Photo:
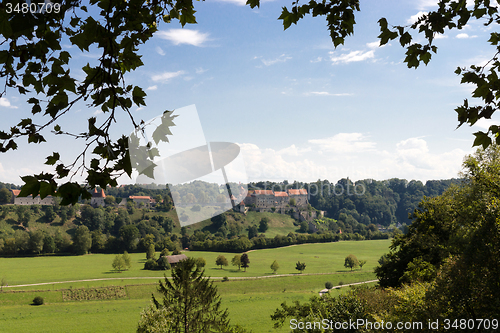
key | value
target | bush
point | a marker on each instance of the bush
(328, 285)
(151, 265)
(200, 262)
(225, 279)
(163, 264)
(38, 300)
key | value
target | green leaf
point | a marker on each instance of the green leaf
(70, 193)
(253, 3)
(138, 96)
(482, 139)
(47, 189)
(62, 171)
(287, 17)
(31, 186)
(51, 160)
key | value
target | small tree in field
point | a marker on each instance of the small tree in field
(245, 261)
(221, 261)
(38, 300)
(362, 263)
(236, 261)
(275, 266)
(351, 261)
(300, 266)
(328, 285)
(118, 263)
(127, 260)
(201, 262)
(150, 253)
(122, 262)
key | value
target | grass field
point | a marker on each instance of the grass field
(250, 301)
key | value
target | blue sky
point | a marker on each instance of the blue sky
(299, 108)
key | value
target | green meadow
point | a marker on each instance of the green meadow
(250, 296)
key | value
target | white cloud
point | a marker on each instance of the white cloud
(486, 123)
(268, 164)
(4, 102)
(374, 45)
(344, 143)
(326, 93)
(241, 2)
(236, 2)
(293, 151)
(166, 76)
(160, 51)
(318, 59)
(184, 36)
(423, 4)
(281, 58)
(350, 155)
(412, 157)
(152, 87)
(200, 70)
(352, 56)
(464, 36)
(415, 17)
(439, 36)
(97, 111)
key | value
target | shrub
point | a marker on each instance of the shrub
(225, 279)
(38, 300)
(201, 262)
(328, 285)
(163, 264)
(151, 265)
(164, 252)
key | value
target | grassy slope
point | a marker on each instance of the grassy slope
(250, 302)
(319, 258)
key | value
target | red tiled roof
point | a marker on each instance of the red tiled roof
(139, 197)
(280, 194)
(97, 194)
(16, 192)
(302, 191)
(263, 192)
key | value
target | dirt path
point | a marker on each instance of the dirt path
(324, 291)
(161, 277)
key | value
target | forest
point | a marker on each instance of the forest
(81, 228)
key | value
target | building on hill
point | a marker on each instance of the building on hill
(29, 200)
(98, 198)
(300, 196)
(145, 200)
(267, 199)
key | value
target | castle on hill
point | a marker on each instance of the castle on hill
(268, 199)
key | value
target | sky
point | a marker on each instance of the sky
(299, 108)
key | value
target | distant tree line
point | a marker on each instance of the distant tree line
(366, 201)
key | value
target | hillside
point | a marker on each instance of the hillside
(354, 214)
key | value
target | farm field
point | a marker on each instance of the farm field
(250, 301)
